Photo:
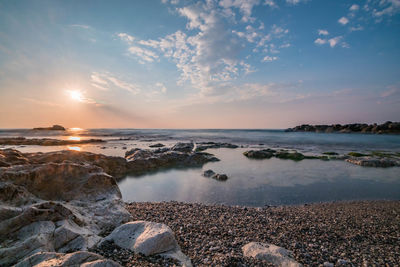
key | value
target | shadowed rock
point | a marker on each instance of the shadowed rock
(201, 146)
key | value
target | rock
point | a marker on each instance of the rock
(148, 238)
(141, 160)
(208, 173)
(385, 128)
(373, 162)
(81, 258)
(328, 264)
(201, 146)
(115, 166)
(55, 207)
(53, 128)
(10, 157)
(157, 145)
(183, 147)
(220, 177)
(17, 141)
(271, 253)
(259, 154)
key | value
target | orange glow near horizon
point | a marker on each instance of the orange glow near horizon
(74, 148)
(75, 129)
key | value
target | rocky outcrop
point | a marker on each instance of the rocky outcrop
(385, 128)
(373, 162)
(157, 145)
(52, 128)
(260, 154)
(148, 238)
(16, 141)
(81, 258)
(50, 206)
(201, 146)
(180, 155)
(275, 255)
(281, 154)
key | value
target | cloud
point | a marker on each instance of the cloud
(320, 41)
(126, 37)
(41, 102)
(145, 54)
(332, 41)
(269, 58)
(105, 80)
(162, 87)
(343, 20)
(82, 26)
(323, 32)
(354, 7)
(270, 3)
(387, 8)
(295, 2)
(245, 7)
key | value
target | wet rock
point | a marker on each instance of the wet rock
(157, 145)
(183, 147)
(10, 157)
(260, 154)
(208, 173)
(295, 156)
(373, 162)
(201, 146)
(278, 256)
(141, 160)
(81, 258)
(220, 177)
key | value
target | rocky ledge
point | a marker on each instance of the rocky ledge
(16, 141)
(385, 128)
(374, 159)
(55, 206)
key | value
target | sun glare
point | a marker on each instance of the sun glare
(74, 148)
(75, 129)
(76, 95)
(74, 138)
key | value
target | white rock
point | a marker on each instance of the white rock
(148, 238)
(81, 258)
(271, 253)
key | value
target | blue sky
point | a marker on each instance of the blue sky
(199, 64)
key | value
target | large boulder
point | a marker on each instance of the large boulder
(148, 238)
(183, 147)
(81, 258)
(275, 255)
(374, 162)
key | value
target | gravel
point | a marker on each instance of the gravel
(328, 234)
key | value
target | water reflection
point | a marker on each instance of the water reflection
(262, 182)
(75, 148)
(74, 138)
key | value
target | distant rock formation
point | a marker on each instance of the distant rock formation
(385, 128)
(52, 128)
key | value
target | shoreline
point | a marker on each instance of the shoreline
(360, 233)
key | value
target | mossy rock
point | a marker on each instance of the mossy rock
(330, 153)
(259, 154)
(356, 154)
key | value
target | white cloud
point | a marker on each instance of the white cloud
(105, 80)
(269, 58)
(320, 41)
(245, 7)
(387, 8)
(323, 32)
(334, 41)
(295, 2)
(271, 3)
(162, 87)
(357, 28)
(343, 20)
(126, 37)
(143, 53)
(354, 7)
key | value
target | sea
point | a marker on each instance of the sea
(251, 182)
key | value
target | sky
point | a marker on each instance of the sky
(198, 64)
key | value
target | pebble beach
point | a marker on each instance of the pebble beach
(328, 234)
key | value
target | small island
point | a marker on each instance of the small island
(385, 128)
(52, 128)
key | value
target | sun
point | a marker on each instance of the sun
(76, 95)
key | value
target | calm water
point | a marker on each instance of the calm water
(251, 182)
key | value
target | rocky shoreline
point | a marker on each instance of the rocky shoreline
(65, 208)
(385, 128)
